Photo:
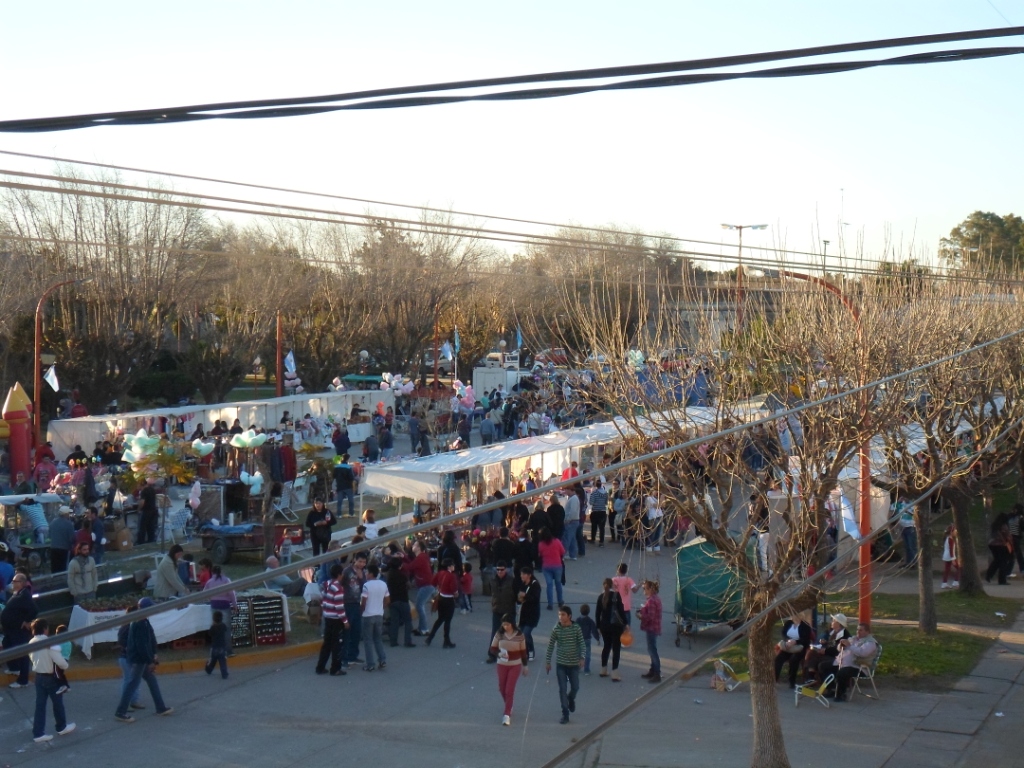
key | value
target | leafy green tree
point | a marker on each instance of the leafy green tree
(985, 237)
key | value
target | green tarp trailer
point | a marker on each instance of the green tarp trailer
(707, 591)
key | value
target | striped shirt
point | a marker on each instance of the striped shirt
(571, 647)
(599, 500)
(509, 651)
(334, 601)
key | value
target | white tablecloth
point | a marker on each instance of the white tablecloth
(168, 626)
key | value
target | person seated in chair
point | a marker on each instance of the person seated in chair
(825, 652)
(852, 653)
(284, 584)
(796, 639)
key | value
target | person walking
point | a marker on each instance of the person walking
(508, 647)
(225, 602)
(122, 661)
(503, 601)
(46, 660)
(611, 620)
(550, 551)
(529, 606)
(141, 656)
(572, 524)
(400, 614)
(335, 624)
(568, 638)
(16, 621)
(374, 602)
(220, 634)
(447, 587)
(650, 624)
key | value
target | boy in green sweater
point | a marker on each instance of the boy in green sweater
(571, 653)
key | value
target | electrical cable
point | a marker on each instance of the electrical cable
(393, 97)
(414, 227)
(426, 209)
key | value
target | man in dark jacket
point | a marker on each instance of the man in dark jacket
(529, 610)
(16, 622)
(556, 516)
(140, 654)
(345, 481)
(503, 548)
(503, 600)
(342, 442)
(62, 540)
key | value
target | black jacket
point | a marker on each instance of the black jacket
(529, 611)
(556, 516)
(804, 630)
(21, 608)
(612, 614)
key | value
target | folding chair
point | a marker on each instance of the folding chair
(867, 672)
(283, 504)
(734, 680)
(816, 692)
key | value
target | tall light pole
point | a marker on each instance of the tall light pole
(739, 269)
(37, 377)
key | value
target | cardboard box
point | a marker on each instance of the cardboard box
(121, 541)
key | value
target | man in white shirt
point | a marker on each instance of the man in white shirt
(375, 600)
(45, 662)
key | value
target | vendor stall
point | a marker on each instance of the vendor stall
(168, 626)
(65, 434)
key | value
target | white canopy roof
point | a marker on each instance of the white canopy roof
(65, 434)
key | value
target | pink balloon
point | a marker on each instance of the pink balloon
(384, 385)
(194, 503)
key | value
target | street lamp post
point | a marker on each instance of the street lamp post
(739, 268)
(37, 376)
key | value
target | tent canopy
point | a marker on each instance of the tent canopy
(65, 434)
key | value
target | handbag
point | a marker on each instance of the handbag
(434, 602)
(626, 639)
(789, 647)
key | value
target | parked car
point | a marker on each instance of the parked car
(557, 355)
(444, 365)
(676, 357)
(494, 360)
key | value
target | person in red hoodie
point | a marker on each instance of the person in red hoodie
(419, 570)
(447, 584)
(650, 624)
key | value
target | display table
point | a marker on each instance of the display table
(168, 626)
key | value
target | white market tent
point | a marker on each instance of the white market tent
(65, 434)
(428, 477)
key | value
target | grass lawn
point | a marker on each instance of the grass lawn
(950, 607)
(909, 659)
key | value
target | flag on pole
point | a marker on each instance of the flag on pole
(446, 351)
(519, 337)
(458, 342)
(289, 362)
(51, 378)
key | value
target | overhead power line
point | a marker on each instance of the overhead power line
(410, 226)
(411, 96)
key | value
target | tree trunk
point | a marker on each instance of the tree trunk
(769, 746)
(927, 622)
(267, 509)
(970, 578)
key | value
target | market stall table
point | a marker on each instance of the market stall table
(168, 626)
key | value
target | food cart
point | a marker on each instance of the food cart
(19, 532)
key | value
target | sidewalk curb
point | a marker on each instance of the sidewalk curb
(270, 656)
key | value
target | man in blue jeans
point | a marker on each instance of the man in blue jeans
(571, 654)
(345, 481)
(352, 580)
(142, 658)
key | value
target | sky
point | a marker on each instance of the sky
(880, 162)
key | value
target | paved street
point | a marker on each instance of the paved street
(435, 707)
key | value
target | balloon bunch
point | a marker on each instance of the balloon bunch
(336, 385)
(467, 398)
(248, 439)
(195, 495)
(202, 449)
(635, 359)
(291, 381)
(141, 452)
(397, 383)
(255, 482)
